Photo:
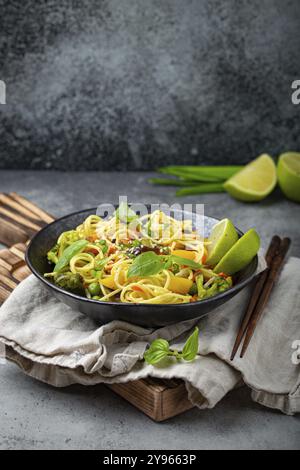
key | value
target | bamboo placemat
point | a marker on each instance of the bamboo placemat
(20, 219)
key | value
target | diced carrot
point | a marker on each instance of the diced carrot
(223, 275)
(137, 289)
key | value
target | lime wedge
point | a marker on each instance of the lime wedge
(221, 239)
(289, 175)
(240, 255)
(255, 181)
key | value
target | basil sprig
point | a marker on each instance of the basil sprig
(149, 264)
(146, 264)
(160, 349)
(185, 262)
(68, 254)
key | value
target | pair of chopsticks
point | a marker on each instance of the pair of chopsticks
(275, 258)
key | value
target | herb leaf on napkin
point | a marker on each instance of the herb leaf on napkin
(160, 349)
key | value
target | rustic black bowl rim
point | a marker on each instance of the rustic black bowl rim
(35, 239)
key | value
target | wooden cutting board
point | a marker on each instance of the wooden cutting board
(20, 219)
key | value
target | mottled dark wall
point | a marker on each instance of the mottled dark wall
(132, 84)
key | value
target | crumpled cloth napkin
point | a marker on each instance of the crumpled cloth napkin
(59, 346)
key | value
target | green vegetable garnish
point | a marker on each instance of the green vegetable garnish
(66, 239)
(71, 282)
(207, 273)
(94, 289)
(190, 349)
(103, 246)
(193, 290)
(160, 349)
(68, 254)
(184, 262)
(223, 284)
(219, 284)
(52, 255)
(201, 290)
(212, 290)
(146, 264)
(100, 263)
(149, 264)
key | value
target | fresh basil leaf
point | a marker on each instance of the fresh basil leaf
(125, 214)
(68, 254)
(159, 344)
(153, 357)
(168, 262)
(158, 350)
(191, 346)
(185, 262)
(146, 264)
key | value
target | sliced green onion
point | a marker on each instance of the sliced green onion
(204, 172)
(172, 182)
(189, 175)
(201, 189)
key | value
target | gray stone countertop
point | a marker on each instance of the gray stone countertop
(36, 416)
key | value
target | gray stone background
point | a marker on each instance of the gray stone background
(133, 84)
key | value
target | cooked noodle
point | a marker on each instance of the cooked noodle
(113, 245)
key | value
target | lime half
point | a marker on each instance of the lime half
(255, 181)
(240, 255)
(221, 239)
(289, 175)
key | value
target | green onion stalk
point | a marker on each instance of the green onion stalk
(196, 179)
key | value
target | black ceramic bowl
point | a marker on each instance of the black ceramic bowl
(141, 314)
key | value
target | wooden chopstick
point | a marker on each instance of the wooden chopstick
(271, 252)
(274, 271)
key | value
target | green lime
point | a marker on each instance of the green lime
(221, 239)
(255, 181)
(240, 255)
(289, 175)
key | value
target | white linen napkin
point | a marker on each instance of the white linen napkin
(59, 346)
